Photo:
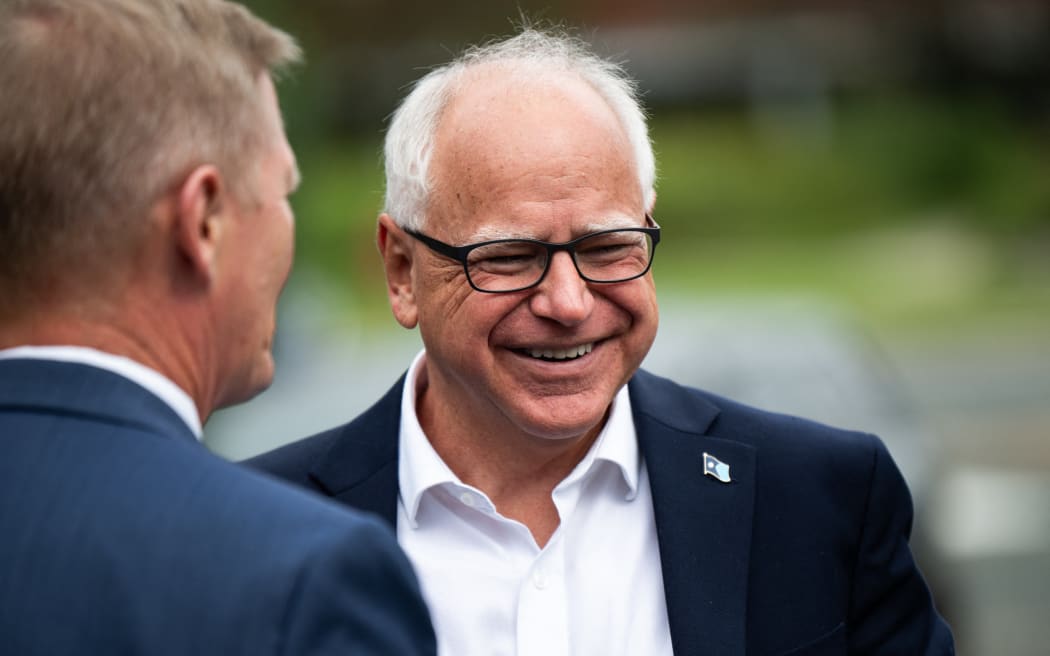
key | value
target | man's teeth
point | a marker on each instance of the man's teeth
(561, 354)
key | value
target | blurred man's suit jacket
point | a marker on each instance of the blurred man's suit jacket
(121, 534)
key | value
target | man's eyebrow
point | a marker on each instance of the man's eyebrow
(615, 223)
(492, 233)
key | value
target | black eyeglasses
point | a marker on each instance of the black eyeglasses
(511, 265)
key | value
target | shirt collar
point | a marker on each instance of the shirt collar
(617, 444)
(152, 380)
(420, 468)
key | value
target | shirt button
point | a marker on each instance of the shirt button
(539, 578)
(468, 499)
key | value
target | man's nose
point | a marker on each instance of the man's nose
(563, 296)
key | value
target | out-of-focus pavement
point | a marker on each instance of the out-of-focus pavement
(967, 417)
(988, 400)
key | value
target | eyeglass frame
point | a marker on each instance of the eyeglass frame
(459, 253)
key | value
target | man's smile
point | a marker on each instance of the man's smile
(553, 354)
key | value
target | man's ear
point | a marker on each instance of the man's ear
(396, 249)
(198, 226)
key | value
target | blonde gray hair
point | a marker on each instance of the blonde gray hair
(409, 141)
(106, 104)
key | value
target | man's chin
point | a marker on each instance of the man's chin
(255, 382)
(562, 424)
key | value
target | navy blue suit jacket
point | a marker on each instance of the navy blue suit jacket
(805, 552)
(121, 534)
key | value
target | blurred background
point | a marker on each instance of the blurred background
(855, 199)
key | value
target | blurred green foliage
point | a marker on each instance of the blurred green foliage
(874, 164)
(908, 210)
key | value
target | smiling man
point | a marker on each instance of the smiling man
(553, 498)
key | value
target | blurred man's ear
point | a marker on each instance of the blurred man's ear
(198, 224)
(396, 249)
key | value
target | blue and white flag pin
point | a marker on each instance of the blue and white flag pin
(715, 467)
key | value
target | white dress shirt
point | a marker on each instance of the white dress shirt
(595, 588)
(155, 382)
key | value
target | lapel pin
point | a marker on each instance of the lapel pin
(715, 467)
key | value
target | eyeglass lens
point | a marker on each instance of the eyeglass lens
(604, 257)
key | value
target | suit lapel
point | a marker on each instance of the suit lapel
(360, 468)
(703, 525)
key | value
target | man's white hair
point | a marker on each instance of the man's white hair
(410, 139)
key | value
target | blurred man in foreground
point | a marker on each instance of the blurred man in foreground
(145, 235)
(554, 498)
